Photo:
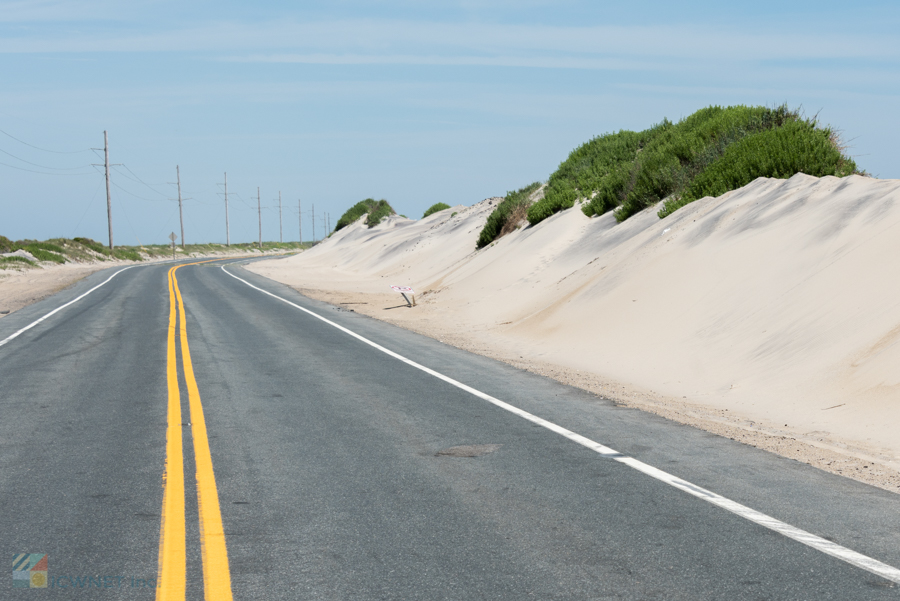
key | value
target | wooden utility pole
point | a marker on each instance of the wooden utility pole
(180, 212)
(227, 230)
(108, 196)
(300, 219)
(314, 223)
(280, 231)
(259, 211)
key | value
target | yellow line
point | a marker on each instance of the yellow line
(172, 567)
(216, 574)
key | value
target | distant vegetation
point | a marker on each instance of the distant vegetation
(715, 150)
(62, 250)
(375, 209)
(507, 215)
(440, 206)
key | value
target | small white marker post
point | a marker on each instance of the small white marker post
(403, 290)
(173, 238)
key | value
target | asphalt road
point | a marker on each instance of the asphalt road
(335, 474)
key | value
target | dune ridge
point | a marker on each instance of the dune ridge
(777, 303)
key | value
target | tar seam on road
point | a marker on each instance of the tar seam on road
(172, 554)
(816, 542)
(58, 309)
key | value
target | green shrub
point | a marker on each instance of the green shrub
(796, 147)
(520, 199)
(44, 255)
(588, 168)
(670, 161)
(378, 212)
(355, 212)
(6, 245)
(440, 206)
(46, 246)
(127, 254)
(93, 245)
(16, 259)
(630, 171)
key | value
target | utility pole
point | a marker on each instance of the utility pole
(259, 211)
(180, 212)
(227, 230)
(314, 223)
(280, 231)
(108, 197)
(300, 219)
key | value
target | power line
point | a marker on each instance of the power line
(41, 172)
(138, 179)
(42, 166)
(42, 149)
(135, 195)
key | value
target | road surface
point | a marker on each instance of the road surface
(206, 432)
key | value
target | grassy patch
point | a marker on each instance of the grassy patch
(355, 212)
(381, 210)
(440, 206)
(15, 261)
(42, 251)
(92, 245)
(798, 147)
(504, 219)
(375, 209)
(715, 149)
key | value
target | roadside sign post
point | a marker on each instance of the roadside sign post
(404, 290)
(173, 238)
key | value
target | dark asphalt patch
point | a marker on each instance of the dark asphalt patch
(469, 450)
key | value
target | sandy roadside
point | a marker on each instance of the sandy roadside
(767, 315)
(21, 288)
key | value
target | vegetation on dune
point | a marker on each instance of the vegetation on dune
(504, 219)
(381, 210)
(17, 261)
(375, 209)
(587, 168)
(61, 250)
(440, 206)
(712, 151)
(798, 147)
(42, 251)
(355, 212)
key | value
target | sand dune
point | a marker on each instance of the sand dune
(779, 301)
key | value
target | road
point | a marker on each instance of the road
(276, 447)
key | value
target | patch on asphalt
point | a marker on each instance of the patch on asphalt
(469, 450)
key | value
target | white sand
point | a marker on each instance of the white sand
(21, 287)
(777, 304)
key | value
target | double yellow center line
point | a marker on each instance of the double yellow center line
(172, 554)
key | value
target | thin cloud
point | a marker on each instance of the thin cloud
(437, 60)
(462, 42)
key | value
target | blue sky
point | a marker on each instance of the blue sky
(416, 102)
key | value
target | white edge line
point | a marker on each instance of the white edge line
(58, 309)
(816, 542)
